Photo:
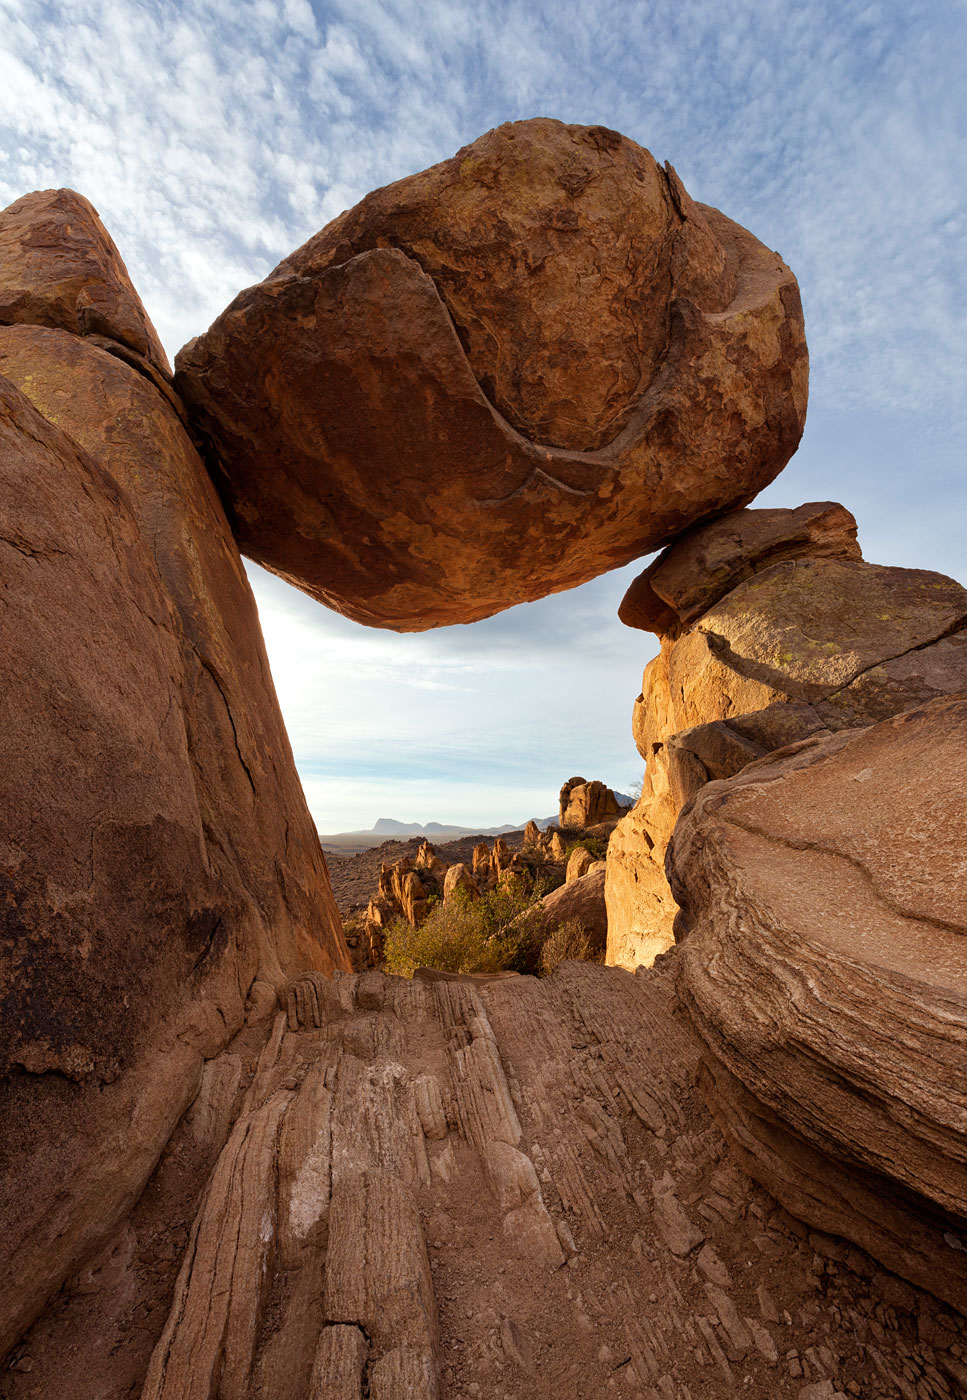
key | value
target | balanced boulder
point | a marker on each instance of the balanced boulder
(498, 378)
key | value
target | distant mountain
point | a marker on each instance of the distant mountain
(389, 829)
(388, 826)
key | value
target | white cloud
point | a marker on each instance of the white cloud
(216, 135)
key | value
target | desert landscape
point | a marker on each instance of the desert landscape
(256, 1141)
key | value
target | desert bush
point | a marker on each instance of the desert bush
(594, 845)
(567, 943)
(463, 935)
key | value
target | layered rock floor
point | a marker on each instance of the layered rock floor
(490, 1188)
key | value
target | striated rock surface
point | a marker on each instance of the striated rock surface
(803, 646)
(161, 872)
(478, 1187)
(824, 910)
(59, 267)
(497, 379)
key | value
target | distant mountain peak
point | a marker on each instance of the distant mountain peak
(389, 826)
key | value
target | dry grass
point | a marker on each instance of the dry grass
(567, 943)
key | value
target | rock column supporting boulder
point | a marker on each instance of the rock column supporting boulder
(773, 629)
(159, 862)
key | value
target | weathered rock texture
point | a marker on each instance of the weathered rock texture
(402, 1176)
(160, 870)
(708, 561)
(59, 267)
(497, 379)
(583, 804)
(802, 646)
(824, 915)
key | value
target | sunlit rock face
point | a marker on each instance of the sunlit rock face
(161, 873)
(498, 378)
(59, 267)
(773, 629)
(824, 962)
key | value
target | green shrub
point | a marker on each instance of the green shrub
(594, 845)
(567, 943)
(463, 935)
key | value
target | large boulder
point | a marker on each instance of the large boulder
(581, 899)
(824, 962)
(804, 646)
(497, 379)
(161, 871)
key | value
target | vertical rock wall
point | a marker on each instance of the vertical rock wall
(160, 869)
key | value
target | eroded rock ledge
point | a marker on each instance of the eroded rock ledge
(472, 1188)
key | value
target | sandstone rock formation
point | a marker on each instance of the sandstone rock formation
(802, 646)
(583, 804)
(162, 875)
(59, 267)
(498, 864)
(824, 914)
(405, 1170)
(710, 560)
(401, 894)
(459, 880)
(580, 899)
(579, 863)
(497, 379)
(239, 1173)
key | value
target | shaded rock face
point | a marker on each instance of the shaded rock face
(160, 870)
(824, 914)
(805, 646)
(580, 898)
(497, 379)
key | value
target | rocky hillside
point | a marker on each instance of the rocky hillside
(355, 878)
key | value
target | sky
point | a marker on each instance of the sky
(214, 136)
